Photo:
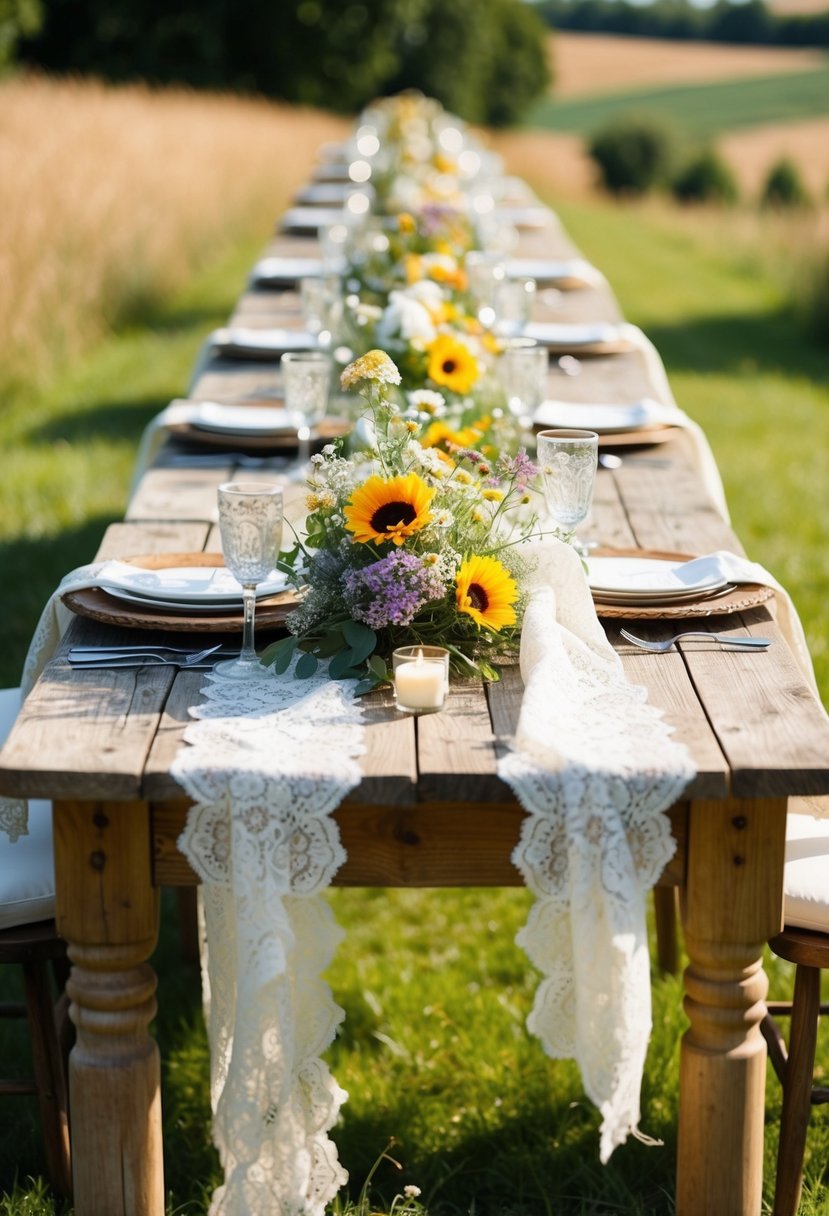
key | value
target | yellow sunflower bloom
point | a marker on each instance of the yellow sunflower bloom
(486, 591)
(452, 364)
(389, 508)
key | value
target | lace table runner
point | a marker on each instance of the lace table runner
(595, 767)
(267, 762)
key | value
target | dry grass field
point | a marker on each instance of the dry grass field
(113, 197)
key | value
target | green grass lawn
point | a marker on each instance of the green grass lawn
(701, 110)
(434, 1051)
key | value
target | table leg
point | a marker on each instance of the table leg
(107, 910)
(732, 905)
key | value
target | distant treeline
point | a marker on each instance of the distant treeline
(748, 22)
(484, 59)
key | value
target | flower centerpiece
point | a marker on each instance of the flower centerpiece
(408, 544)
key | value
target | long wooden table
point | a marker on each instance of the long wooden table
(100, 745)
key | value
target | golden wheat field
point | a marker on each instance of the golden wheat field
(111, 195)
(605, 63)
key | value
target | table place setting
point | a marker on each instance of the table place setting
(284, 272)
(567, 274)
(242, 342)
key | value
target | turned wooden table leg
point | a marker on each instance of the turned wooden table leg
(107, 910)
(733, 904)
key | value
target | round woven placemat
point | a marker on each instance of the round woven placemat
(732, 599)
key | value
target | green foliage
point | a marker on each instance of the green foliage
(18, 19)
(784, 186)
(725, 21)
(633, 154)
(705, 178)
(699, 110)
(484, 59)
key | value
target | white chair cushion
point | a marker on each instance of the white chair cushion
(806, 882)
(27, 873)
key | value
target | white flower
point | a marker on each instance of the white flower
(425, 401)
(411, 1192)
(408, 318)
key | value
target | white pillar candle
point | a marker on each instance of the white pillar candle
(420, 683)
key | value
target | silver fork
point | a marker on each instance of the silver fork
(723, 639)
(101, 658)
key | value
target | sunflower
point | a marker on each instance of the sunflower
(389, 508)
(452, 364)
(486, 591)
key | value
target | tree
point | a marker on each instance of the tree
(633, 154)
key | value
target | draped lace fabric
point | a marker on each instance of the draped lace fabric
(595, 768)
(268, 762)
(14, 812)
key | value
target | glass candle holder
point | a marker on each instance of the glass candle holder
(421, 678)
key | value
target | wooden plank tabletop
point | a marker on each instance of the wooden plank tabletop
(750, 723)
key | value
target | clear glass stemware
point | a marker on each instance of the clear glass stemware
(306, 380)
(250, 522)
(522, 371)
(568, 460)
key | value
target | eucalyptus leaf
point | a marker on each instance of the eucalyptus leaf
(340, 665)
(378, 669)
(360, 638)
(306, 666)
(280, 654)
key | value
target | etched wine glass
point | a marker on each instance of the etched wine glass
(250, 521)
(306, 380)
(568, 461)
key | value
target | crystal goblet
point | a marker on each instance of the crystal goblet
(568, 460)
(250, 522)
(522, 372)
(306, 380)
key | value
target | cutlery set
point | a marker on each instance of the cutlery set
(92, 657)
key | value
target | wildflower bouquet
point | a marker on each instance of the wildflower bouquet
(411, 544)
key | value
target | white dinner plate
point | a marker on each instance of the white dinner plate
(548, 271)
(310, 219)
(260, 343)
(603, 419)
(561, 335)
(643, 578)
(285, 272)
(245, 419)
(181, 585)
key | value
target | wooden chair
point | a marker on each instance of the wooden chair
(28, 940)
(804, 942)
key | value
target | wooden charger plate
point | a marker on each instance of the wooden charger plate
(96, 604)
(733, 599)
(642, 437)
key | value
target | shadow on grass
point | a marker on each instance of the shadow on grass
(728, 344)
(542, 1160)
(121, 419)
(32, 568)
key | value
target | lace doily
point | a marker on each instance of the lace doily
(595, 768)
(267, 762)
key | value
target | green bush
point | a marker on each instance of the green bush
(633, 154)
(705, 178)
(484, 59)
(784, 186)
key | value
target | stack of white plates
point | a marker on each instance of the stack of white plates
(604, 419)
(197, 589)
(285, 272)
(548, 272)
(240, 342)
(644, 581)
(241, 420)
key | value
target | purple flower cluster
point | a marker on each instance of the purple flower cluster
(519, 467)
(391, 591)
